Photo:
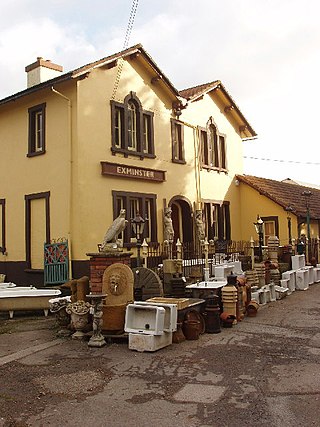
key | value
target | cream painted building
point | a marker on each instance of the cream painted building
(113, 134)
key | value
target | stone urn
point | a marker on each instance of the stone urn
(58, 308)
(79, 312)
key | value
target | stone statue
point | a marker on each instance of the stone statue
(168, 233)
(199, 226)
(110, 240)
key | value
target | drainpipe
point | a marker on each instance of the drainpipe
(70, 172)
(197, 162)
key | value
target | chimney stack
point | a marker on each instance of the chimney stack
(41, 71)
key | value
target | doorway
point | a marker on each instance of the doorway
(182, 219)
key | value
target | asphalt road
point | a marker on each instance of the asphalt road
(263, 371)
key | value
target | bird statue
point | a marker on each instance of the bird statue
(118, 225)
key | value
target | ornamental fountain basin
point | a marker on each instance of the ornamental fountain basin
(23, 298)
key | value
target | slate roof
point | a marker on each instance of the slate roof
(286, 194)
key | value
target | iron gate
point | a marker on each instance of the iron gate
(56, 262)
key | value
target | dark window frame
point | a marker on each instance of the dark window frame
(3, 226)
(28, 199)
(223, 227)
(214, 155)
(204, 147)
(123, 109)
(32, 130)
(143, 197)
(177, 142)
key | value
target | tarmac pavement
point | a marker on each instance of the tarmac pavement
(262, 371)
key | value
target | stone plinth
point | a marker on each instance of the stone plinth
(99, 262)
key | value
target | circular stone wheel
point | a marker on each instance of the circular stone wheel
(147, 284)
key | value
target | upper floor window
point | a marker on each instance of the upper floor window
(36, 139)
(177, 139)
(213, 147)
(132, 128)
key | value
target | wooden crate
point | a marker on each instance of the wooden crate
(181, 302)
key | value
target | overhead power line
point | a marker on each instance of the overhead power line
(132, 16)
(282, 161)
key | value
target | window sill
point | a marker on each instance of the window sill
(180, 162)
(38, 153)
(212, 168)
(128, 153)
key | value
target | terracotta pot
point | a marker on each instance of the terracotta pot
(191, 329)
(252, 308)
(227, 319)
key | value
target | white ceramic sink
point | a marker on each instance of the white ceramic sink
(211, 284)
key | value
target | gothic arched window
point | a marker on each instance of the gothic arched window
(132, 128)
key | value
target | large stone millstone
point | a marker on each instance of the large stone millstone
(147, 284)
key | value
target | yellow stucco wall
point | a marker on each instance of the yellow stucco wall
(84, 212)
(92, 194)
(21, 175)
(252, 204)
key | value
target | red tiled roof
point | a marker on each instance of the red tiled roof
(195, 91)
(286, 194)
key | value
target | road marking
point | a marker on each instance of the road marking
(28, 351)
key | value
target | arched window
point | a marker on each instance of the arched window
(213, 147)
(132, 128)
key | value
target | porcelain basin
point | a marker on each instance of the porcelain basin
(211, 284)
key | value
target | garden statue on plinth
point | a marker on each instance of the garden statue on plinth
(110, 241)
(200, 233)
(97, 339)
(168, 233)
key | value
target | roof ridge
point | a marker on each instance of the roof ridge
(201, 85)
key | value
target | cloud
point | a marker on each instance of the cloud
(67, 45)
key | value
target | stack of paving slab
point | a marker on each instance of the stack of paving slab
(150, 325)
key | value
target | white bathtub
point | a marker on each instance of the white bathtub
(26, 298)
(5, 285)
